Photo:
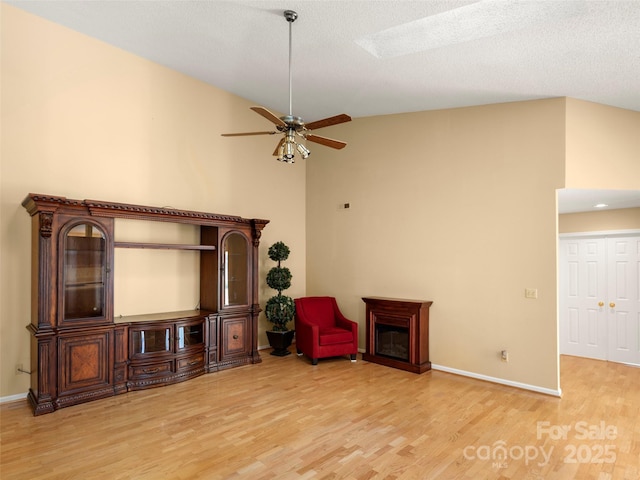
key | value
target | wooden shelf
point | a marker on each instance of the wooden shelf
(162, 316)
(163, 246)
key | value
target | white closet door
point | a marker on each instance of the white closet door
(623, 303)
(583, 323)
(600, 298)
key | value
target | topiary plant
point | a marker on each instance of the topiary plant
(279, 309)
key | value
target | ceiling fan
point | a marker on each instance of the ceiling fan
(291, 126)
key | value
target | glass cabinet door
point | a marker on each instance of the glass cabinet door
(145, 341)
(190, 335)
(235, 278)
(84, 272)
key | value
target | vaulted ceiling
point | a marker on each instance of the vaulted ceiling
(438, 54)
(379, 57)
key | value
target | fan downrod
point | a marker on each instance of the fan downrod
(290, 15)
(291, 125)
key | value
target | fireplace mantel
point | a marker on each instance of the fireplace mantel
(398, 333)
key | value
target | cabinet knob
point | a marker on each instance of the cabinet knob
(612, 305)
(235, 337)
(600, 304)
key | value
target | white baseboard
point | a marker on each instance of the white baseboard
(455, 371)
(501, 381)
(13, 398)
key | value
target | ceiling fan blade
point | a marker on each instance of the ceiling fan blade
(275, 152)
(327, 122)
(246, 133)
(269, 116)
(327, 142)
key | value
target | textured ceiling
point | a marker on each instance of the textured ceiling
(455, 52)
(587, 50)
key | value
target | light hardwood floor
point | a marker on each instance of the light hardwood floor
(286, 419)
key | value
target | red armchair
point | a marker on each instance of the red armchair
(322, 331)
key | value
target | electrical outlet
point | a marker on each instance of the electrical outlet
(531, 293)
(504, 355)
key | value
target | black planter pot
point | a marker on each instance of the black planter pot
(280, 342)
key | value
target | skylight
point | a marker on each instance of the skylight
(471, 22)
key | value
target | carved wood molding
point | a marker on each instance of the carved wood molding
(256, 227)
(112, 209)
(46, 222)
(35, 202)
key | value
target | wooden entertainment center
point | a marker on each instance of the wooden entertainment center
(80, 352)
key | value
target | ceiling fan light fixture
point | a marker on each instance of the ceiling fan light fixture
(303, 151)
(289, 153)
(289, 149)
(290, 125)
(280, 154)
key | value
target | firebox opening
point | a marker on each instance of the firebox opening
(392, 342)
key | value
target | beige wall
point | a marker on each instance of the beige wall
(603, 146)
(457, 207)
(86, 120)
(608, 220)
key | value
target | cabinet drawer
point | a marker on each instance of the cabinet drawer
(150, 370)
(190, 362)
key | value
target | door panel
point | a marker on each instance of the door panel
(624, 299)
(234, 337)
(85, 362)
(583, 329)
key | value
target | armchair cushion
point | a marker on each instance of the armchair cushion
(333, 335)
